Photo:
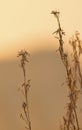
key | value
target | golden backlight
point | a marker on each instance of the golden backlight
(31, 22)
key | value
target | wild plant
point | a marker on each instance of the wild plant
(73, 75)
(24, 55)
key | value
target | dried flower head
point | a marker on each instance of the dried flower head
(24, 56)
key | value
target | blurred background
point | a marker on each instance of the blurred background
(29, 25)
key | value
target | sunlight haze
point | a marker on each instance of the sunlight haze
(29, 24)
(25, 23)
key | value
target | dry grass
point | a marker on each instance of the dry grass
(73, 75)
(73, 79)
(24, 55)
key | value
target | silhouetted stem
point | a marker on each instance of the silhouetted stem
(25, 88)
(78, 128)
(71, 122)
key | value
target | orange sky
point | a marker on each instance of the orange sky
(22, 22)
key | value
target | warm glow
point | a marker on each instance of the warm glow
(29, 24)
(27, 21)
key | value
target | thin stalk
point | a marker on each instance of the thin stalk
(25, 89)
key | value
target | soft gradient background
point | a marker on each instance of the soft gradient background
(29, 25)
